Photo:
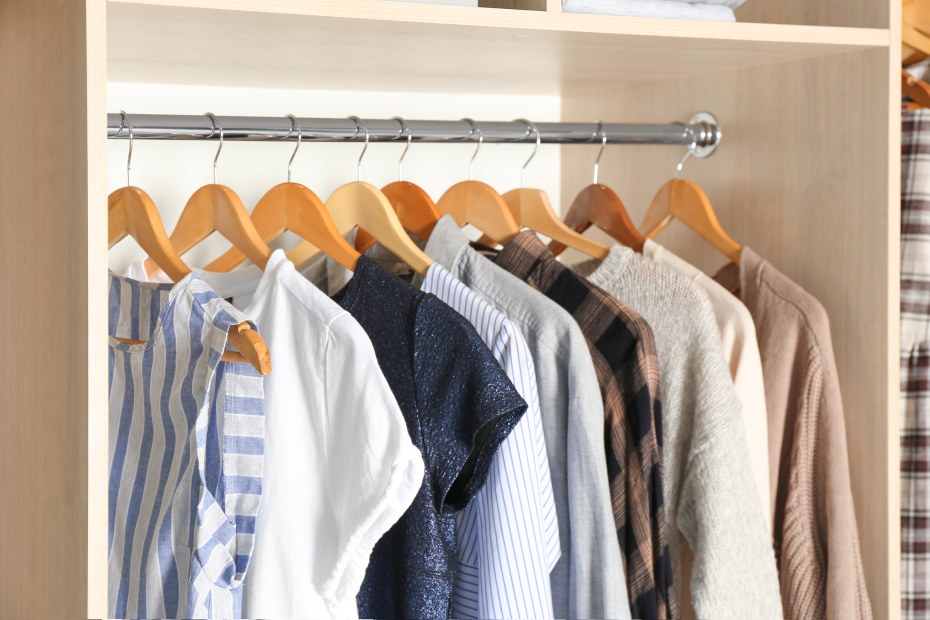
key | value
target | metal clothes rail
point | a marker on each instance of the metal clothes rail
(702, 134)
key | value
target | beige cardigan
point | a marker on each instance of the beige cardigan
(816, 540)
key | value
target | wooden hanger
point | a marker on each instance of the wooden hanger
(916, 90)
(365, 206)
(598, 205)
(531, 208)
(294, 207)
(915, 22)
(132, 212)
(217, 208)
(479, 204)
(414, 208)
(686, 202)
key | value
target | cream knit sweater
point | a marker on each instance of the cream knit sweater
(741, 353)
(710, 496)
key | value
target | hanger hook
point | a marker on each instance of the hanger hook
(597, 162)
(300, 134)
(474, 130)
(403, 130)
(360, 126)
(125, 117)
(688, 153)
(216, 126)
(531, 127)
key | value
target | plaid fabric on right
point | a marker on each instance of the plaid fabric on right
(915, 365)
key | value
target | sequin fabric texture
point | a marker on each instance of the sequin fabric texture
(458, 405)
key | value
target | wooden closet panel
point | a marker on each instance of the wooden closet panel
(553, 6)
(48, 350)
(861, 14)
(378, 45)
(808, 175)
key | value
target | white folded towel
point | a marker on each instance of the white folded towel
(670, 9)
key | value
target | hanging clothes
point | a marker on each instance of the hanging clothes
(915, 364)
(741, 351)
(816, 540)
(340, 468)
(709, 493)
(186, 453)
(588, 581)
(508, 536)
(624, 354)
(459, 407)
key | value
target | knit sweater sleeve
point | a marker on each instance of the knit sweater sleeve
(820, 560)
(718, 511)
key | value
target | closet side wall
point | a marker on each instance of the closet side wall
(802, 177)
(48, 350)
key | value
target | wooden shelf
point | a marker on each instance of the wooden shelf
(377, 45)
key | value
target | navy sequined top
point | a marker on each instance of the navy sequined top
(459, 406)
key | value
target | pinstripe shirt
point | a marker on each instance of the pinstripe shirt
(508, 536)
(185, 456)
(588, 580)
(624, 354)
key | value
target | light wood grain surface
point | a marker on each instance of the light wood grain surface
(820, 13)
(522, 5)
(44, 310)
(553, 6)
(800, 179)
(375, 45)
(96, 264)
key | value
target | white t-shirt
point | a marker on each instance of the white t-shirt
(340, 468)
(741, 350)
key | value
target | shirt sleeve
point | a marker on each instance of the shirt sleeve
(518, 363)
(719, 513)
(508, 537)
(466, 403)
(375, 470)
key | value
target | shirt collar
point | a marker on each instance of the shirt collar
(446, 243)
(523, 254)
(613, 266)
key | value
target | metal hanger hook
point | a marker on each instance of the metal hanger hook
(360, 126)
(597, 162)
(125, 117)
(216, 126)
(295, 126)
(471, 162)
(688, 153)
(403, 130)
(534, 129)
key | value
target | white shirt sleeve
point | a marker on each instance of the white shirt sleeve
(374, 470)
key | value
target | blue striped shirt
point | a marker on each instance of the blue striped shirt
(185, 453)
(508, 536)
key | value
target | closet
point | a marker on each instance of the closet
(807, 174)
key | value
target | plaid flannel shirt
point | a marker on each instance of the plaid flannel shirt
(624, 354)
(915, 364)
